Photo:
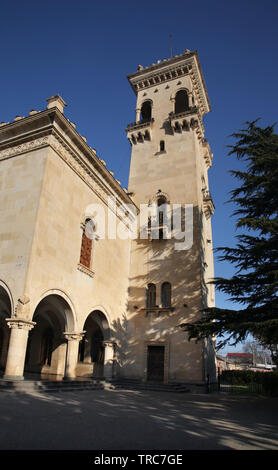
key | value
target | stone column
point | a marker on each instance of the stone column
(190, 101)
(173, 101)
(138, 112)
(17, 347)
(73, 340)
(109, 352)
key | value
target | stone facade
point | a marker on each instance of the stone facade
(75, 305)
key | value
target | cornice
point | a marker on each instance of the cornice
(50, 127)
(167, 70)
(160, 64)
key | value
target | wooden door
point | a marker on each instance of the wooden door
(155, 366)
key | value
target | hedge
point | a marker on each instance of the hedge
(269, 380)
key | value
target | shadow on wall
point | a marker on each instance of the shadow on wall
(149, 320)
(146, 323)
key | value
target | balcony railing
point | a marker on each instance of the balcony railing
(192, 110)
(208, 203)
(139, 125)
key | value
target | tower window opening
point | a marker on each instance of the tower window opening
(87, 243)
(181, 102)
(161, 210)
(162, 146)
(146, 111)
(151, 296)
(166, 294)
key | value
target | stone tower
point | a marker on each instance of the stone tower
(169, 167)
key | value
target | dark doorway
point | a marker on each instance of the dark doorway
(91, 348)
(155, 367)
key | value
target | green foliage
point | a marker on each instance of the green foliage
(255, 257)
(268, 380)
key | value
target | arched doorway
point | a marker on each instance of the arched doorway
(5, 312)
(92, 347)
(47, 345)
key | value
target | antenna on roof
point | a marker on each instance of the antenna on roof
(171, 46)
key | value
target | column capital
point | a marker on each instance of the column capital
(20, 323)
(109, 343)
(73, 335)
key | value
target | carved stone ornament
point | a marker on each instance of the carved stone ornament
(20, 323)
(22, 309)
(25, 147)
(73, 336)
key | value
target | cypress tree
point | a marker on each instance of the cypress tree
(254, 286)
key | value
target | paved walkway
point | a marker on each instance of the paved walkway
(126, 420)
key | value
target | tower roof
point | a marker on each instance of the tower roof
(169, 69)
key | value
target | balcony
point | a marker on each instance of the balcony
(208, 204)
(189, 119)
(139, 131)
(157, 311)
(208, 156)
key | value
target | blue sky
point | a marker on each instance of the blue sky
(84, 50)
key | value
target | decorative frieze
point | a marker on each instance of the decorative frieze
(161, 76)
(85, 270)
(171, 69)
(24, 147)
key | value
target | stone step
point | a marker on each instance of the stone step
(50, 386)
(79, 385)
(153, 386)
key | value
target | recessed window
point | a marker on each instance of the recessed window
(87, 243)
(166, 294)
(151, 296)
(181, 102)
(146, 111)
(162, 146)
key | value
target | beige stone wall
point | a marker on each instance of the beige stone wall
(20, 186)
(178, 172)
(56, 250)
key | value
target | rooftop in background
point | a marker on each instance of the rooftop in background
(239, 357)
(239, 354)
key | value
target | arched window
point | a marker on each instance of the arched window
(146, 111)
(181, 102)
(151, 296)
(166, 294)
(161, 210)
(87, 243)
